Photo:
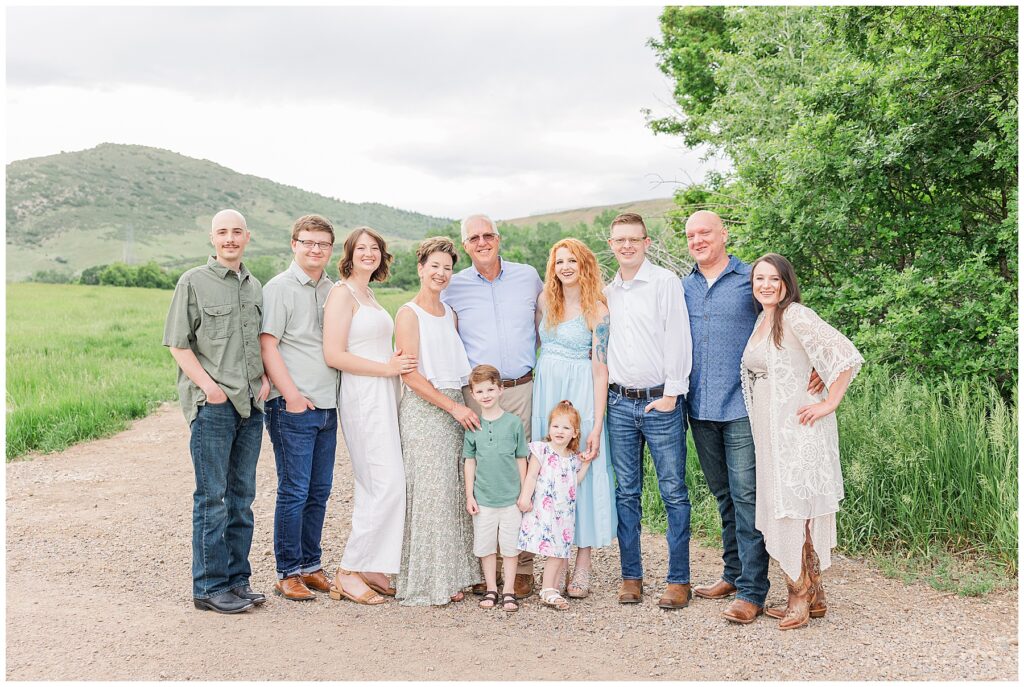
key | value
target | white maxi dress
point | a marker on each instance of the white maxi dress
(368, 411)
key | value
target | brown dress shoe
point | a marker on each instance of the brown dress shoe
(631, 591)
(293, 589)
(523, 586)
(742, 612)
(317, 580)
(676, 596)
(719, 590)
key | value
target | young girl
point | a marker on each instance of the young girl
(548, 498)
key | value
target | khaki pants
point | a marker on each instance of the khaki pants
(519, 401)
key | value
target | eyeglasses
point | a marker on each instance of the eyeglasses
(322, 245)
(627, 240)
(486, 238)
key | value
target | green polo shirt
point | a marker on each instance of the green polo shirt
(293, 313)
(216, 312)
(495, 448)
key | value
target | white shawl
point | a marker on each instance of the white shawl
(808, 480)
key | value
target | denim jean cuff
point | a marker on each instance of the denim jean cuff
(312, 568)
(671, 581)
(282, 575)
(750, 600)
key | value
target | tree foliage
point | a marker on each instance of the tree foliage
(876, 148)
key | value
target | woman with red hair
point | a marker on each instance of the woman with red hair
(573, 365)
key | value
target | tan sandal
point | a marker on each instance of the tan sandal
(386, 591)
(367, 598)
(550, 597)
(579, 588)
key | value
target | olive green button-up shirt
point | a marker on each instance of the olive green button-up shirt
(217, 313)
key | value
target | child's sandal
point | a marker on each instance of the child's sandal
(490, 598)
(579, 588)
(550, 597)
(509, 600)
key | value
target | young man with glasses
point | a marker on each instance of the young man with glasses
(301, 414)
(495, 301)
(648, 375)
(212, 329)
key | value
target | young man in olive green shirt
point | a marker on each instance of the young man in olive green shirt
(495, 466)
(212, 330)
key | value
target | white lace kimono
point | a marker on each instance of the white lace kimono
(799, 476)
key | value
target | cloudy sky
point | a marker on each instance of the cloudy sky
(510, 111)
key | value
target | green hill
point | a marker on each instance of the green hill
(653, 211)
(116, 202)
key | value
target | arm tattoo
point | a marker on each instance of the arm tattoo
(601, 339)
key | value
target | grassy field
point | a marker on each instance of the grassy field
(930, 476)
(82, 361)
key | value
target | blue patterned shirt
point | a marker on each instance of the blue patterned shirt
(721, 320)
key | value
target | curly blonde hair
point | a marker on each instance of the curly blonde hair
(591, 285)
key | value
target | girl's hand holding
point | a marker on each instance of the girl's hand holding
(464, 416)
(401, 364)
(525, 504)
(471, 506)
(810, 414)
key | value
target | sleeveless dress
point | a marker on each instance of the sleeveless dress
(437, 549)
(368, 412)
(564, 373)
(549, 527)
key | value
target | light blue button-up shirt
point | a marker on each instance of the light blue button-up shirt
(721, 320)
(497, 320)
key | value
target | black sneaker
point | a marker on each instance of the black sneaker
(225, 602)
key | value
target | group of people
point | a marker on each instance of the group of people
(502, 414)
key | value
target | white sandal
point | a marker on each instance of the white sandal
(550, 597)
(580, 583)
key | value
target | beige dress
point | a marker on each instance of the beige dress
(798, 472)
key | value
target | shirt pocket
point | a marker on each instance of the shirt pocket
(217, 321)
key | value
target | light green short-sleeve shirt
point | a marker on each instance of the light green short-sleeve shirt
(216, 313)
(495, 448)
(293, 313)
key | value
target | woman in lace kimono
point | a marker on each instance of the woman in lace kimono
(796, 439)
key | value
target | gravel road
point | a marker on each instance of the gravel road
(99, 587)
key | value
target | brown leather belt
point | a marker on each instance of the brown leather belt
(509, 383)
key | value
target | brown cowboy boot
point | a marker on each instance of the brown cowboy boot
(798, 612)
(813, 565)
(818, 605)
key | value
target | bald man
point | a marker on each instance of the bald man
(722, 314)
(212, 331)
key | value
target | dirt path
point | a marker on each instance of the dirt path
(98, 587)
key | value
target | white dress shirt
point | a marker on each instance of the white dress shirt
(649, 343)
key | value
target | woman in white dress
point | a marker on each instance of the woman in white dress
(796, 439)
(357, 341)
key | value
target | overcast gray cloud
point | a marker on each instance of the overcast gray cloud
(424, 97)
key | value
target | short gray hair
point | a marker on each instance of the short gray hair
(487, 219)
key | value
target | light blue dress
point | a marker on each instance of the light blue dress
(564, 373)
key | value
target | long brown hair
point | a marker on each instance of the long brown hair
(788, 275)
(567, 409)
(591, 287)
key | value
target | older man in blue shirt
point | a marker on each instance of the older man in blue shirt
(722, 315)
(496, 304)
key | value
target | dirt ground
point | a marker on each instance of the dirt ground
(99, 587)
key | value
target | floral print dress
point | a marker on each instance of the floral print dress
(548, 529)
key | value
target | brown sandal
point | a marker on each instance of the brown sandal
(489, 597)
(506, 599)
(386, 591)
(367, 598)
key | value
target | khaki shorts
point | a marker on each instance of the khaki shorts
(494, 527)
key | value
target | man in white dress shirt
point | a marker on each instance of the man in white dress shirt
(649, 361)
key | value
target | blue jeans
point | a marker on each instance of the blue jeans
(726, 454)
(629, 427)
(304, 445)
(225, 447)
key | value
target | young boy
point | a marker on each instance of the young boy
(495, 466)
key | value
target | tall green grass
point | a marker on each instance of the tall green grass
(83, 361)
(930, 469)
